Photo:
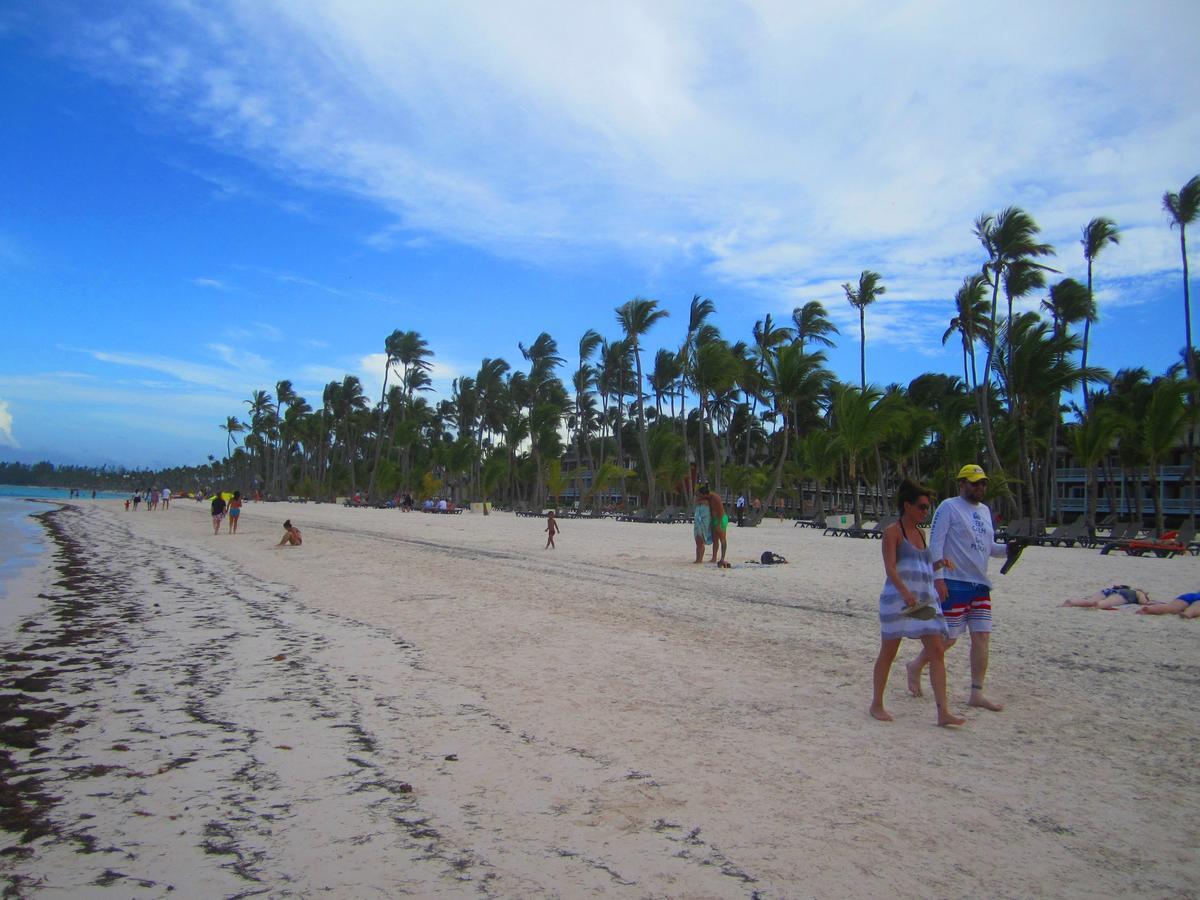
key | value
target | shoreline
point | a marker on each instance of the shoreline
(620, 720)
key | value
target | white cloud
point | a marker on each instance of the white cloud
(782, 144)
(213, 283)
(6, 426)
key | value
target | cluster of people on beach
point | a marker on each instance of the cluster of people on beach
(152, 498)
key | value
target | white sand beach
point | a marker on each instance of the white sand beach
(435, 705)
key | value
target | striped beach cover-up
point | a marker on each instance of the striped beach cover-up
(916, 568)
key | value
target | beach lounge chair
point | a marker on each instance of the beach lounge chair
(1121, 535)
(876, 531)
(667, 516)
(1066, 535)
(1172, 543)
(752, 519)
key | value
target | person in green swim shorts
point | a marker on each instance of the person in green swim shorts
(720, 527)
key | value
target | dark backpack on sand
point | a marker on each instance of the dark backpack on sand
(771, 559)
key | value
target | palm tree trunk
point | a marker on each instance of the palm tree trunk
(985, 414)
(862, 347)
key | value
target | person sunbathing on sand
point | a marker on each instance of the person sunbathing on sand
(1111, 598)
(1184, 605)
(291, 535)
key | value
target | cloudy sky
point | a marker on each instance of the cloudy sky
(201, 199)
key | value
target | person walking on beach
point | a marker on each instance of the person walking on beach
(908, 606)
(166, 499)
(551, 530)
(291, 535)
(235, 511)
(720, 528)
(963, 538)
(218, 512)
(702, 522)
(740, 506)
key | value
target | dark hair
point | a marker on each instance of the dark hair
(287, 524)
(909, 492)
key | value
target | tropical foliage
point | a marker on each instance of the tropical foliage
(629, 421)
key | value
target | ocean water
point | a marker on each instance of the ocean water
(24, 547)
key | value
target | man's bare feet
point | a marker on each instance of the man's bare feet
(914, 679)
(948, 719)
(977, 699)
(878, 712)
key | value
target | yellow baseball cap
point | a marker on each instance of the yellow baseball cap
(972, 473)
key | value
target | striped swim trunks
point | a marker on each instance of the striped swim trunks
(968, 607)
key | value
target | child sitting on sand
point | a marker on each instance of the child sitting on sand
(291, 535)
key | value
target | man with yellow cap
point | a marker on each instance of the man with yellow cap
(962, 539)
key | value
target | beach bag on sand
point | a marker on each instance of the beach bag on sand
(770, 558)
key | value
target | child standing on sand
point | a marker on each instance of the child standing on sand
(551, 530)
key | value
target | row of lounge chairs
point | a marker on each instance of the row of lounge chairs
(1128, 537)
(875, 531)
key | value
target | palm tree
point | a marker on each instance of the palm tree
(1184, 208)
(1091, 440)
(767, 337)
(664, 377)
(1165, 423)
(543, 359)
(1097, 234)
(792, 377)
(868, 291)
(391, 349)
(585, 376)
(820, 453)
(1020, 278)
(698, 331)
(231, 427)
(861, 421)
(971, 322)
(813, 325)
(636, 318)
(1008, 237)
(715, 372)
(1067, 304)
(1039, 371)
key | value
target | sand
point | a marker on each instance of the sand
(436, 705)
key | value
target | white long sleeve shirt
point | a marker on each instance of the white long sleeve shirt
(962, 533)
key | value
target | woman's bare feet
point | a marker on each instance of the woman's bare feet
(878, 712)
(914, 679)
(977, 699)
(947, 719)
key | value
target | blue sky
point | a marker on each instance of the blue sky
(201, 199)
